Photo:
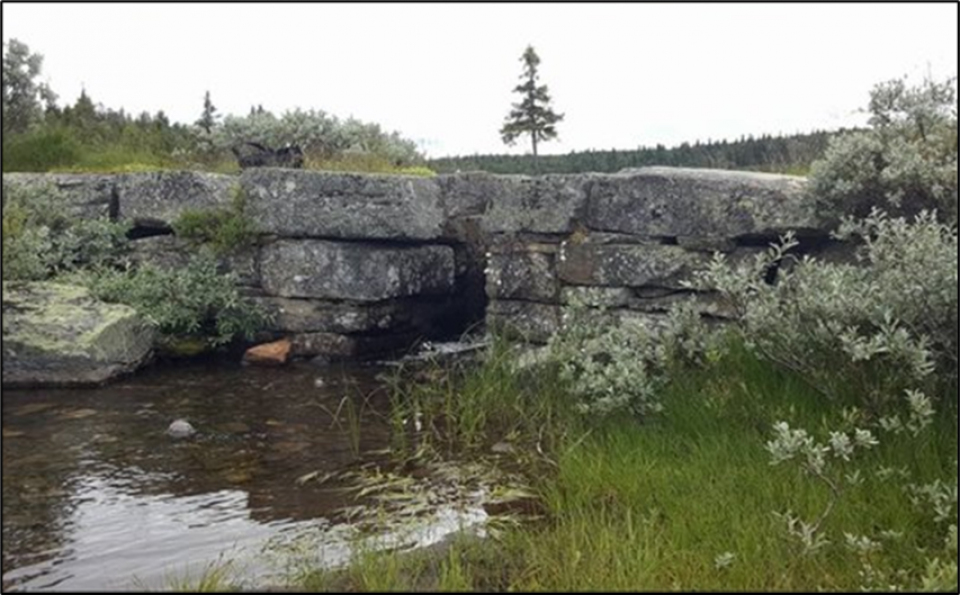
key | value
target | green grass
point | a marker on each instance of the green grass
(653, 506)
(468, 408)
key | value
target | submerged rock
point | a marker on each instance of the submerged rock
(60, 335)
(181, 428)
(268, 354)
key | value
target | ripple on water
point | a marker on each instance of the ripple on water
(96, 495)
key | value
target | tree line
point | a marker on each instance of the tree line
(792, 153)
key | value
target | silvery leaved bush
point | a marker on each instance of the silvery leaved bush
(615, 361)
(887, 323)
(905, 162)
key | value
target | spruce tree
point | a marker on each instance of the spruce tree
(533, 114)
(209, 117)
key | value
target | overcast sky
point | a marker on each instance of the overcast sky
(624, 75)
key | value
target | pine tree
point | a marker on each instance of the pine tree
(533, 115)
(209, 117)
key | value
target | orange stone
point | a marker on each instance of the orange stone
(268, 354)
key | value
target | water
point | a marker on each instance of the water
(96, 496)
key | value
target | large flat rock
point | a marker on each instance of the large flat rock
(297, 203)
(699, 203)
(355, 271)
(59, 335)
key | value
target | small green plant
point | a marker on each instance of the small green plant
(224, 229)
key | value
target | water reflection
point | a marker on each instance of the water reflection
(95, 495)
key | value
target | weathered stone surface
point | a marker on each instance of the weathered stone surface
(292, 203)
(268, 354)
(598, 297)
(543, 204)
(522, 275)
(626, 265)
(333, 346)
(511, 204)
(656, 300)
(85, 196)
(323, 316)
(672, 202)
(169, 252)
(355, 271)
(157, 199)
(470, 194)
(529, 321)
(59, 335)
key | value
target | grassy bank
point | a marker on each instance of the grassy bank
(688, 500)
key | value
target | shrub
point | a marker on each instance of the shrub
(883, 326)
(41, 240)
(223, 229)
(194, 302)
(611, 365)
(906, 162)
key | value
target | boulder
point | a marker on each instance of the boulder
(292, 315)
(180, 429)
(59, 335)
(334, 346)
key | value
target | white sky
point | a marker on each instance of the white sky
(623, 74)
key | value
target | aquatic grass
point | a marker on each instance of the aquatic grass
(469, 407)
(689, 499)
(216, 576)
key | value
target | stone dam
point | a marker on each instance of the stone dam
(354, 266)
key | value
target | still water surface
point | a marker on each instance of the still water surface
(96, 496)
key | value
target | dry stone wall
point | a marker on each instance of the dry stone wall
(355, 265)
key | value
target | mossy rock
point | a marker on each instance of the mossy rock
(59, 335)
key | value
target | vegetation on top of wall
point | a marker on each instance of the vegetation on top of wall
(40, 135)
